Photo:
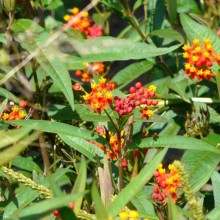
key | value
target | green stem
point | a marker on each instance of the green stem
(113, 123)
(128, 7)
(145, 17)
(218, 82)
(120, 168)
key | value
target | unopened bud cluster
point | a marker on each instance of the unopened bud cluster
(138, 97)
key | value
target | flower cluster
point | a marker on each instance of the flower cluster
(100, 96)
(166, 183)
(199, 59)
(90, 69)
(80, 21)
(15, 112)
(138, 97)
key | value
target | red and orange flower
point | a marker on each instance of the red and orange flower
(15, 112)
(81, 22)
(199, 59)
(167, 183)
(100, 96)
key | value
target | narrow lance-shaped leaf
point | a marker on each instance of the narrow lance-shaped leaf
(8, 154)
(216, 187)
(5, 93)
(59, 128)
(80, 184)
(172, 10)
(26, 164)
(9, 137)
(214, 214)
(178, 142)
(166, 33)
(2, 106)
(83, 146)
(200, 166)
(131, 72)
(109, 49)
(40, 209)
(143, 204)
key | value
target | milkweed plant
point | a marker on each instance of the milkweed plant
(109, 110)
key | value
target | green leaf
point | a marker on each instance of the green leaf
(131, 72)
(21, 200)
(172, 210)
(59, 128)
(58, 73)
(216, 187)
(200, 165)
(3, 105)
(135, 185)
(100, 18)
(172, 10)
(177, 142)
(159, 14)
(168, 33)
(109, 49)
(40, 209)
(214, 214)
(9, 137)
(195, 30)
(214, 116)
(67, 113)
(44, 54)
(2, 37)
(179, 84)
(26, 164)
(188, 6)
(54, 186)
(212, 139)
(100, 210)
(80, 184)
(137, 4)
(143, 205)
(5, 93)
(83, 146)
(21, 25)
(8, 154)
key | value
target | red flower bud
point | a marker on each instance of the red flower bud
(22, 104)
(71, 204)
(138, 85)
(132, 90)
(56, 212)
(77, 86)
(124, 162)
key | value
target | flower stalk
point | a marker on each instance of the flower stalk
(42, 190)
(194, 205)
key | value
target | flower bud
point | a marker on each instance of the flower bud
(9, 5)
